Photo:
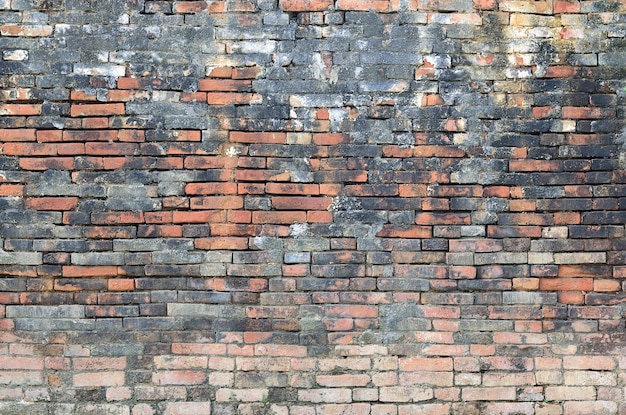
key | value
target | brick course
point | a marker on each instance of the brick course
(312, 207)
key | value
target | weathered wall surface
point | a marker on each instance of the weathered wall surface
(312, 207)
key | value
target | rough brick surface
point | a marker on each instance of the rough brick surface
(312, 207)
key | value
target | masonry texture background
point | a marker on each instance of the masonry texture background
(312, 207)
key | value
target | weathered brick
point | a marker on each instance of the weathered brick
(187, 408)
(96, 379)
(564, 393)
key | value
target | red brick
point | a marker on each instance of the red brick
(132, 136)
(248, 72)
(352, 311)
(224, 85)
(577, 270)
(329, 139)
(89, 271)
(193, 97)
(572, 298)
(216, 202)
(45, 136)
(258, 137)
(22, 134)
(232, 98)
(117, 218)
(20, 109)
(158, 217)
(300, 203)
(222, 72)
(187, 135)
(437, 151)
(111, 149)
(280, 350)
(560, 72)
(566, 7)
(70, 149)
(425, 364)
(189, 7)
(205, 162)
(51, 163)
(443, 219)
(292, 188)
(88, 110)
(30, 149)
(128, 83)
(319, 217)
(211, 188)
(90, 135)
(586, 113)
(76, 95)
(122, 284)
(229, 229)
(364, 5)
(204, 216)
(159, 231)
(285, 217)
(305, 5)
(535, 165)
(234, 243)
(52, 203)
(11, 190)
(108, 232)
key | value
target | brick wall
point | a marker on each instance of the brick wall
(312, 207)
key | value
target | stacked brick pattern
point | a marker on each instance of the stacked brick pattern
(312, 207)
